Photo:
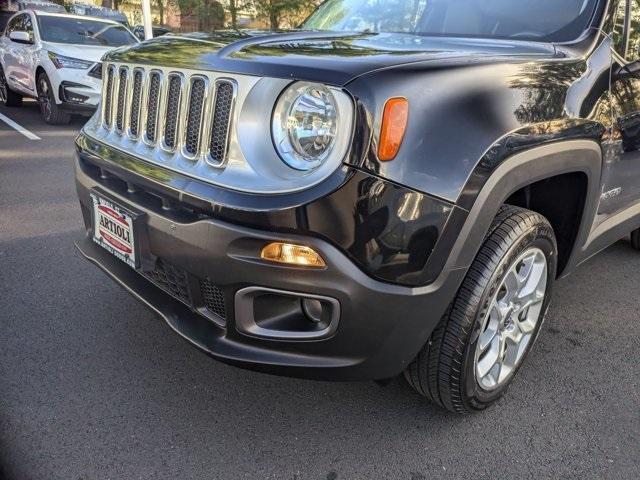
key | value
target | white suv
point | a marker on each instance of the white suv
(55, 58)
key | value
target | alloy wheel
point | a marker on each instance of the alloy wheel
(511, 320)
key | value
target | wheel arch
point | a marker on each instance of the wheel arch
(41, 69)
(544, 168)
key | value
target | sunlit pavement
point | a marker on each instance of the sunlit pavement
(94, 386)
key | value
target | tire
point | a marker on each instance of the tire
(8, 97)
(49, 109)
(450, 369)
(635, 239)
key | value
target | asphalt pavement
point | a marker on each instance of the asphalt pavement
(94, 386)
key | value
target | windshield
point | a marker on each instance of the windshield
(537, 20)
(84, 32)
(43, 7)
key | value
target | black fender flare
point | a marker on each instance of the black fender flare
(518, 171)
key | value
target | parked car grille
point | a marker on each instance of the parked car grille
(213, 298)
(189, 114)
(177, 282)
(171, 279)
(173, 110)
(220, 131)
(108, 97)
(122, 94)
(194, 115)
(136, 101)
(153, 106)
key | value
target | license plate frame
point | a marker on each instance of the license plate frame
(120, 232)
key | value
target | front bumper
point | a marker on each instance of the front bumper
(381, 327)
(75, 90)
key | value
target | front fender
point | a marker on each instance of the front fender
(516, 172)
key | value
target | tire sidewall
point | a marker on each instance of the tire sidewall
(5, 101)
(43, 77)
(539, 236)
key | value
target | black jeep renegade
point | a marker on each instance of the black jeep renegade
(393, 187)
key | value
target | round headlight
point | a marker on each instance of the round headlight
(305, 123)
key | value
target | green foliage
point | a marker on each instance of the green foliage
(277, 11)
(210, 13)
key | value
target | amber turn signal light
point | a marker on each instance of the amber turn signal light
(394, 124)
(290, 254)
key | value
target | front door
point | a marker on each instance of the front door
(622, 169)
(18, 57)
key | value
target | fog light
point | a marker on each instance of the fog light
(291, 254)
(312, 308)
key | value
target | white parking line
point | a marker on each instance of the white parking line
(19, 128)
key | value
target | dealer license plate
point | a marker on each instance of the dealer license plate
(113, 229)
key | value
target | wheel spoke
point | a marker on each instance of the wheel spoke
(513, 317)
(487, 336)
(511, 286)
(534, 270)
(490, 358)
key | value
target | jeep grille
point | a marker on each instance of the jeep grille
(167, 109)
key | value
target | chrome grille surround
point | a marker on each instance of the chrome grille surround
(107, 95)
(167, 110)
(219, 138)
(243, 157)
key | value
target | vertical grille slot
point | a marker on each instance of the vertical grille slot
(194, 116)
(108, 97)
(225, 96)
(122, 95)
(153, 106)
(173, 110)
(136, 98)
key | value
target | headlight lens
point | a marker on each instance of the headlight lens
(304, 127)
(60, 61)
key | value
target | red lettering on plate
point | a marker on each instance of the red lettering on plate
(113, 214)
(115, 243)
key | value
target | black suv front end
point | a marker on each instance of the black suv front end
(200, 267)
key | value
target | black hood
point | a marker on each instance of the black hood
(334, 58)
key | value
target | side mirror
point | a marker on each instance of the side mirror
(20, 37)
(630, 70)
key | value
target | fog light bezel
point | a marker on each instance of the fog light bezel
(245, 316)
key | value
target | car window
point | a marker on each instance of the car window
(535, 20)
(27, 25)
(15, 24)
(619, 29)
(83, 32)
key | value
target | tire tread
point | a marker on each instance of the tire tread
(437, 371)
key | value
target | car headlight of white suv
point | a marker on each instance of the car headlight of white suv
(60, 61)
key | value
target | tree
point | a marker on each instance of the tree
(275, 11)
(161, 5)
(233, 11)
(209, 13)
